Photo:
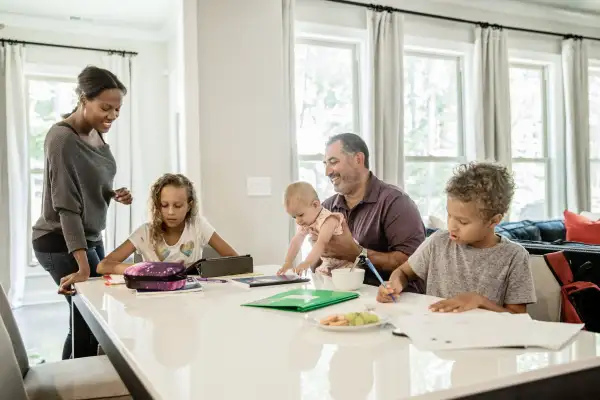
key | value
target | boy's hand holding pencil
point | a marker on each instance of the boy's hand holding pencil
(388, 292)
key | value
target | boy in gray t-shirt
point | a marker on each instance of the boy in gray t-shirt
(469, 265)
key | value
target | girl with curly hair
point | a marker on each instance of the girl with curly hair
(175, 233)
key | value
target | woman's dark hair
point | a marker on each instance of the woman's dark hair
(92, 81)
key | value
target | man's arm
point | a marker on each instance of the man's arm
(403, 227)
(387, 261)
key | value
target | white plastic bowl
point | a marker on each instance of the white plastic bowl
(344, 279)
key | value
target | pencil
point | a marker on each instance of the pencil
(374, 270)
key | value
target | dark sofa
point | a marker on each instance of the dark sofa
(541, 237)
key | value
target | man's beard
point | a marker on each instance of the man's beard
(346, 185)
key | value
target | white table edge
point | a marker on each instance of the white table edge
(119, 355)
(121, 359)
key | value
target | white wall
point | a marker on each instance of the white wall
(242, 123)
(175, 70)
(152, 83)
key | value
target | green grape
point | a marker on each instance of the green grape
(358, 321)
(350, 317)
(373, 319)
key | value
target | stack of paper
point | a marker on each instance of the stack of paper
(471, 330)
(191, 285)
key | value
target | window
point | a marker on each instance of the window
(529, 141)
(328, 77)
(327, 103)
(594, 83)
(433, 127)
(48, 98)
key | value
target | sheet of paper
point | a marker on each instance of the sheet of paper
(483, 330)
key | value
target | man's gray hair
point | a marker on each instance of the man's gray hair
(351, 144)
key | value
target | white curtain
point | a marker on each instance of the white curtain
(575, 83)
(14, 173)
(387, 94)
(288, 12)
(125, 143)
(492, 96)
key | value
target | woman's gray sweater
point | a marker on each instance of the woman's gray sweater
(78, 187)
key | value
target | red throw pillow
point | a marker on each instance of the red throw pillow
(581, 229)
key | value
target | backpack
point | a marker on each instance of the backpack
(579, 289)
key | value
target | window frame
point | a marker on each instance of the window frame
(459, 58)
(35, 75)
(546, 159)
(340, 38)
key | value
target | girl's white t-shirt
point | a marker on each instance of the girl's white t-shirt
(195, 236)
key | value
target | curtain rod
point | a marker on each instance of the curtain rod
(64, 46)
(378, 7)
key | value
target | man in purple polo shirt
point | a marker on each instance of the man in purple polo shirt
(381, 217)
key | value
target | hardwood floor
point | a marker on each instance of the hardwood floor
(44, 329)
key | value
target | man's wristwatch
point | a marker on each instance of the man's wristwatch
(361, 254)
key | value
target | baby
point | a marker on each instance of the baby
(302, 203)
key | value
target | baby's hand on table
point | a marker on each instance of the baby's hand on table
(302, 268)
(462, 302)
(284, 268)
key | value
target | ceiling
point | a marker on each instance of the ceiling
(142, 14)
(590, 7)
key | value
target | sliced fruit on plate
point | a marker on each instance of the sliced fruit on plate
(350, 319)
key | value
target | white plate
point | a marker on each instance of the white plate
(383, 319)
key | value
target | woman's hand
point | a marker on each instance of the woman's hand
(123, 196)
(66, 283)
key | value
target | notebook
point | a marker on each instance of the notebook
(454, 331)
(303, 300)
(250, 282)
(192, 285)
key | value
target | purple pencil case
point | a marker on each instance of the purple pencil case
(155, 276)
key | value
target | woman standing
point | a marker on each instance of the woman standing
(78, 178)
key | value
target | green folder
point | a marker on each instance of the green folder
(303, 300)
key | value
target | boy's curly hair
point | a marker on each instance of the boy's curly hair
(490, 185)
(178, 181)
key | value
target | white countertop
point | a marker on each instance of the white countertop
(205, 345)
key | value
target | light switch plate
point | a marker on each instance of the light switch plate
(258, 186)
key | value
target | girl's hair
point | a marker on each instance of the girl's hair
(92, 81)
(178, 181)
